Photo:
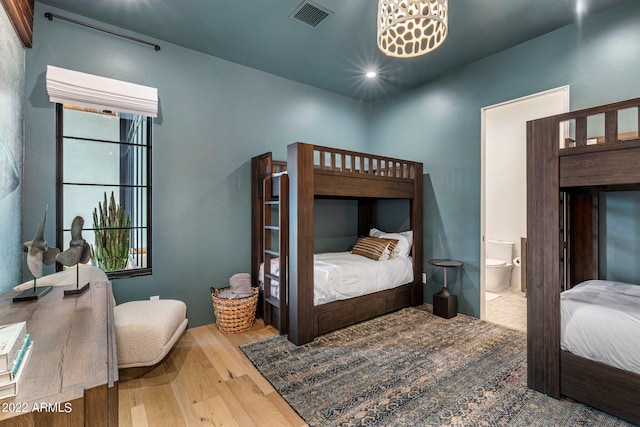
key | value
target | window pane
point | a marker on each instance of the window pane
(82, 199)
(84, 124)
(91, 162)
(139, 247)
(104, 163)
(105, 154)
(133, 165)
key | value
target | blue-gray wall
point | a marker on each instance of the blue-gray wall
(619, 219)
(439, 124)
(12, 67)
(214, 116)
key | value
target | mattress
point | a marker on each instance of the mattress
(343, 275)
(600, 320)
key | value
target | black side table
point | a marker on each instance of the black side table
(445, 304)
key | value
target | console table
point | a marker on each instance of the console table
(71, 378)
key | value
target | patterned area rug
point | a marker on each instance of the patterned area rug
(411, 368)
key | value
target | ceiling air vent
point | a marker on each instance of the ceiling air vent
(310, 14)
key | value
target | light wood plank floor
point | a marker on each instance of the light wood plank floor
(206, 381)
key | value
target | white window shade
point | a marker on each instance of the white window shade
(102, 93)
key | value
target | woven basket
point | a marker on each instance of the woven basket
(234, 315)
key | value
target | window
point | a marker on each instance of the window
(100, 153)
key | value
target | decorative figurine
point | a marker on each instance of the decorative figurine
(38, 253)
(79, 252)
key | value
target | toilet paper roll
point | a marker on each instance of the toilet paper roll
(517, 261)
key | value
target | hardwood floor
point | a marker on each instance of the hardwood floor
(206, 380)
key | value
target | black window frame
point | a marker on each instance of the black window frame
(60, 227)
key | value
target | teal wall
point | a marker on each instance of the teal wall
(336, 225)
(619, 219)
(12, 66)
(439, 125)
(214, 116)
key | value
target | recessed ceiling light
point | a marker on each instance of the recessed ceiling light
(371, 74)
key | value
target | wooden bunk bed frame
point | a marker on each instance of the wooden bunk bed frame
(563, 182)
(321, 172)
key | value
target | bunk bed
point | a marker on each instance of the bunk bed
(283, 195)
(566, 171)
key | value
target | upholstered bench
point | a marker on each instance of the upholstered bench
(147, 330)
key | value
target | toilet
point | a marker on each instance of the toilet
(498, 263)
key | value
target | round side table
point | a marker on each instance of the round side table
(445, 304)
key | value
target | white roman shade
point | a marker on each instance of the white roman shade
(102, 93)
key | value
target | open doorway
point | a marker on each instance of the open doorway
(503, 206)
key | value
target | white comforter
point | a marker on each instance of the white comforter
(343, 275)
(601, 322)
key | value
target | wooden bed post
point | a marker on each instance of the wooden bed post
(301, 230)
(544, 266)
(366, 216)
(583, 236)
(260, 166)
(417, 211)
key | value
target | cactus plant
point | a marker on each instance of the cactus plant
(112, 228)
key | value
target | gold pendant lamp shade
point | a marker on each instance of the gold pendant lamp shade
(408, 28)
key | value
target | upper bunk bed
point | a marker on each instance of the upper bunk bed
(291, 187)
(568, 165)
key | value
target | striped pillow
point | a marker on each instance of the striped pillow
(389, 251)
(374, 247)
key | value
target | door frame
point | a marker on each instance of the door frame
(566, 106)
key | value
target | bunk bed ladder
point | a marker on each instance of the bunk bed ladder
(275, 245)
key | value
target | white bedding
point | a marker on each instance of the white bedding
(343, 275)
(601, 322)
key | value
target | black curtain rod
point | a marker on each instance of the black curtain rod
(50, 17)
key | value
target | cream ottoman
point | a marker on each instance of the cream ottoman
(146, 330)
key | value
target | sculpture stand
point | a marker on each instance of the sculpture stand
(77, 290)
(33, 293)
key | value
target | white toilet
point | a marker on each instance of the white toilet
(498, 263)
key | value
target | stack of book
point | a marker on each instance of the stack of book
(15, 349)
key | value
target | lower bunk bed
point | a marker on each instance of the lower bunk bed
(353, 286)
(600, 346)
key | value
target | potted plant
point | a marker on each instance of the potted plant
(112, 228)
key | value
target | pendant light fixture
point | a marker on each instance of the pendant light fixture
(408, 28)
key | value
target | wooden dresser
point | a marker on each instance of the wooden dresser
(72, 375)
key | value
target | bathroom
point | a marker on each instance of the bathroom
(504, 204)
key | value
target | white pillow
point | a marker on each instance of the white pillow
(405, 240)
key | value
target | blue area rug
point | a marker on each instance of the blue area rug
(411, 368)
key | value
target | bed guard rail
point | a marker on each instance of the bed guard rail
(613, 123)
(352, 162)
